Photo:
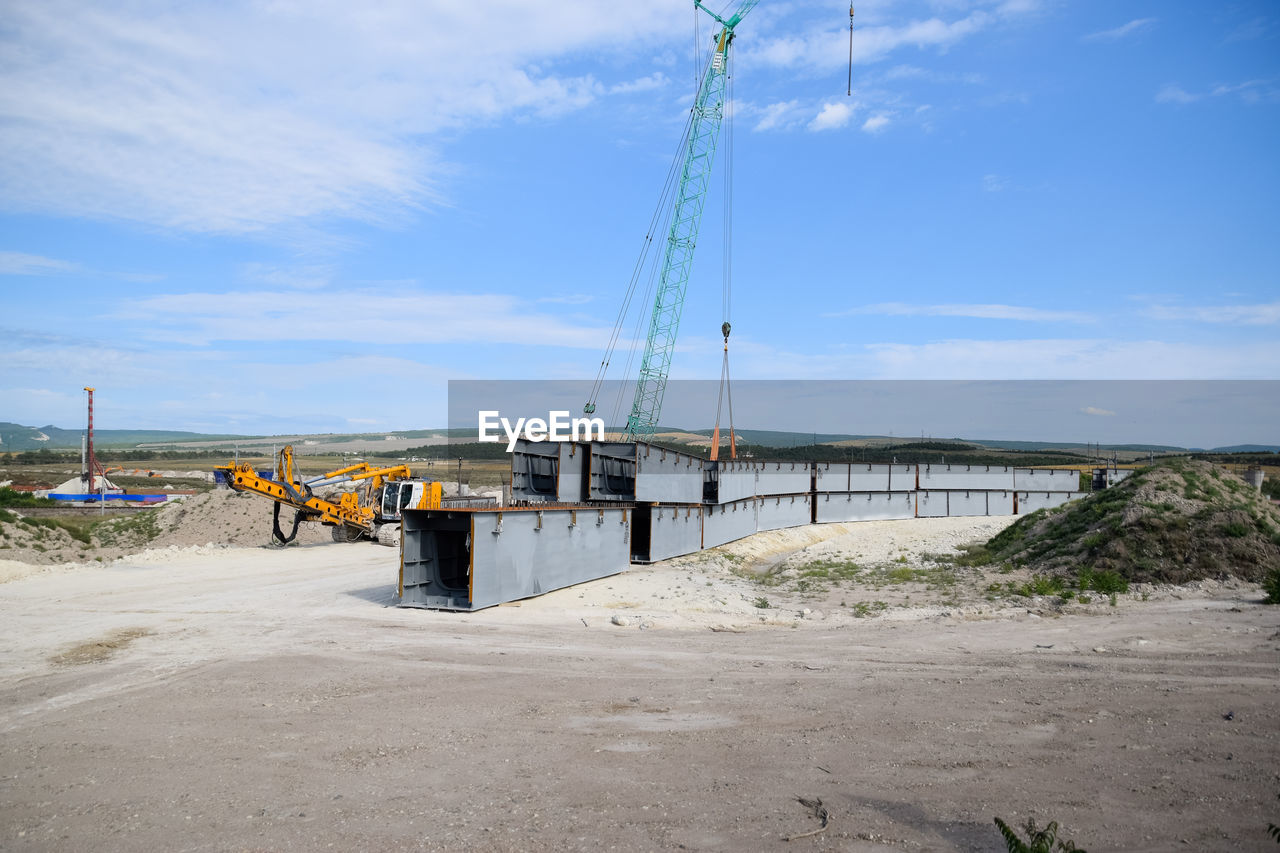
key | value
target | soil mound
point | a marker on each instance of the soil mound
(1174, 522)
(219, 517)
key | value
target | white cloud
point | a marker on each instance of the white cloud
(1052, 358)
(1072, 359)
(826, 48)
(984, 312)
(248, 388)
(1094, 410)
(299, 278)
(1263, 314)
(243, 116)
(1174, 94)
(993, 183)
(832, 116)
(1120, 32)
(1250, 91)
(198, 319)
(656, 80)
(876, 123)
(780, 115)
(19, 263)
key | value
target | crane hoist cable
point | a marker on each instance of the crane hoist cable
(850, 50)
(726, 392)
(677, 255)
(726, 296)
(657, 224)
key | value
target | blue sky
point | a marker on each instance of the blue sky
(273, 217)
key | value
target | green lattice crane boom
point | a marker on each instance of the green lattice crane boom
(691, 196)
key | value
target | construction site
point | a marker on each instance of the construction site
(624, 641)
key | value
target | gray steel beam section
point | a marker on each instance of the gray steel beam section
(872, 478)
(570, 488)
(774, 512)
(965, 477)
(931, 504)
(736, 479)
(612, 470)
(902, 478)
(834, 477)
(1000, 502)
(547, 471)
(1045, 480)
(968, 503)
(783, 478)
(723, 523)
(1029, 502)
(667, 476)
(534, 471)
(468, 560)
(863, 477)
(863, 506)
(673, 531)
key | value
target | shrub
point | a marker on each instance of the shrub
(1236, 529)
(1271, 585)
(15, 498)
(1038, 840)
(1106, 582)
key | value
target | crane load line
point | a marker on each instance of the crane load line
(698, 147)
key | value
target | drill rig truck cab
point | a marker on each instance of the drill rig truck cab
(369, 513)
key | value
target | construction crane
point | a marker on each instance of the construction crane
(375, 514)
(686, 217)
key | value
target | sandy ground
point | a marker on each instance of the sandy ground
(255, 699)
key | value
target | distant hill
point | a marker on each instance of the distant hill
(1074, 445)
(15, 437)
(775, 438)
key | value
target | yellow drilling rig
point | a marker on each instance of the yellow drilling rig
(369, 513)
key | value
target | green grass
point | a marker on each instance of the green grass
(139, 528)
(829, 570)
(972, 556)
(1106, 582)
(13, 498)
(79, 529)
(1093, 540)
(934, 577)
(863, 609)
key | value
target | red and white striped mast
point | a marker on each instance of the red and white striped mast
(92, 460)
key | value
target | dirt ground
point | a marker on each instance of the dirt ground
(214, 698)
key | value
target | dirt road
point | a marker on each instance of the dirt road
(229, 699)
